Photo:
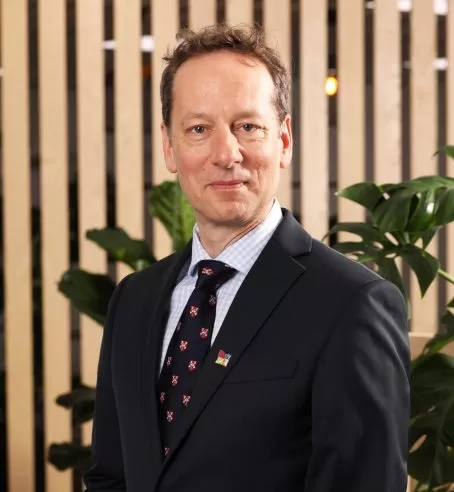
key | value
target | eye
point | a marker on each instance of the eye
(198, 129)
(249, 127)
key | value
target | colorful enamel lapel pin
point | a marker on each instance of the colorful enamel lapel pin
(223, 358)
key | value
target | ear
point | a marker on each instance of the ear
(168, 149)
(286, 142)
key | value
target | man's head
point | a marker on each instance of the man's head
(226, 125)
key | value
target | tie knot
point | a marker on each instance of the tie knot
(212, 274)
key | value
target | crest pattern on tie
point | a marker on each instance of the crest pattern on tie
(189, 347)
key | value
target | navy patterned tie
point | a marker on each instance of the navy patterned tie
(189, 347)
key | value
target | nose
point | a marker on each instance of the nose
(226, 149)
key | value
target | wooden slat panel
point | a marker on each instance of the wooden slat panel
(239, 12)
(202, 13)
(164, 26)
(450, 134)
(314, 118)
(387, 95)
(423, 137)
(17, 247)
(351, 109)
(54, 232)
(91, 167)
(387, 90)
(409, 485)
(276, 21)
(128, 124)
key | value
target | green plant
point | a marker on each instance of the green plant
(90, 294)
(402, 220)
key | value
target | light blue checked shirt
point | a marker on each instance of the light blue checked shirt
(240, 255)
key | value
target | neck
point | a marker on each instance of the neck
(215, 238)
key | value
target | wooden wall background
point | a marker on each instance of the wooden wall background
(74, 114)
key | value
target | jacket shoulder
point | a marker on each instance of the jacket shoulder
(337, 268)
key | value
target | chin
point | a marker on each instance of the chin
(233, 213)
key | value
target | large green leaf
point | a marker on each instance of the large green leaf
(432, 462)
(432, 411)
(90, 293)
(366, 194)
(448, 150)
(426, 201)
(420, 184)
(81, 400)
(432, 383)
(422, 213)
(427, 236)
(392, 214)
(387, 268)
(168, 203)
(423, 264)
(359, 248)
(445, 211)
(121, 247)
(367, 232)
(68, 455)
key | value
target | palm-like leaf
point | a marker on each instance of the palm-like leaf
(432, 421)
(89, 292)
(69, 455)
(168, 203)
(121, 247)
(81, 400)
(403, 220)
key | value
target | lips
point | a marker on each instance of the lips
(228, 184)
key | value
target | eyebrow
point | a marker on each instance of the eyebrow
(241, 114)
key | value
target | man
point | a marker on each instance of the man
(257, 359)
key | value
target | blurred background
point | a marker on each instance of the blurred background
(80, 149)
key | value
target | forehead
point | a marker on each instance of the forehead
(222, 76)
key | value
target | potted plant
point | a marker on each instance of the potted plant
(402, 220)
(90, 294)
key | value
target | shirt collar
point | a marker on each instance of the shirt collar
(234, 255)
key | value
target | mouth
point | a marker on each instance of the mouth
(228, 185)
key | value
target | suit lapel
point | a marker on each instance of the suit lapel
(154, 322)
(273, 274)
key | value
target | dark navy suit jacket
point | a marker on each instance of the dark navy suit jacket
(315, 397)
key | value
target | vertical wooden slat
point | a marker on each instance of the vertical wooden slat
(314, 118)
(164, 27)
(387, 93)
(450, 135)
(351, 109)
(128, 124)
(17, 247)
(91, 166)
(276, 21)
(423, 138)
(202, 13)
(239, 12)
(54, 232)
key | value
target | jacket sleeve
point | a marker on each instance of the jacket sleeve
(361, 397)
(106, 473)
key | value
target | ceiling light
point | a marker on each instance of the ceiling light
(331, 86)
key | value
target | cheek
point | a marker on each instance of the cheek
(191, 173)
(189, 163)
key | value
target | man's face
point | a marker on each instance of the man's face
(225, 141)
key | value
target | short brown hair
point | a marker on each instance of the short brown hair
(245, 40)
